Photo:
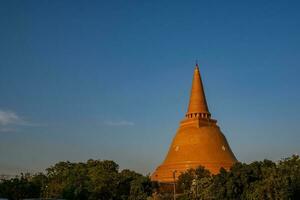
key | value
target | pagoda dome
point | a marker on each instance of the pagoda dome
(198, 141)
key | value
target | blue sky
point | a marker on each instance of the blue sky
(111, 79)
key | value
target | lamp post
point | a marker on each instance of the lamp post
(174, 185)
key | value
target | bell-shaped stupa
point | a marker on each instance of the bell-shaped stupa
(198, 141)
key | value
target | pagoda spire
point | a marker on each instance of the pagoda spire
(197, 105)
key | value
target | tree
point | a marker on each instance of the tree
(185, 180)
(103, 177)
(102, 180)
(140, 188)
(126, 176)
(19, 188)
(193, 182)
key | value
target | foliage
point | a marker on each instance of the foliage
(102, 180)
(258, 180)
(93, 180)
(193, 182)
(140, 188)
(20, 187)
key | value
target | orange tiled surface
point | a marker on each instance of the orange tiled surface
(198, 141)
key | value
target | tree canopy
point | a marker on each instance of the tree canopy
(102, 180)
(93, 180)
(258, 180)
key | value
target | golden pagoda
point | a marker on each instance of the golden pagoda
(198, 141)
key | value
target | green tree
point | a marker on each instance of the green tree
(126, 176)
(140, 188)
(19, 188)
(193, 182)
(103, 177)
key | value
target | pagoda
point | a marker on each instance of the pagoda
(198, 141)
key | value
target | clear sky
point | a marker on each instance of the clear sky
(111, 79)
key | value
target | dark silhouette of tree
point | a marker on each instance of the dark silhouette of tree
(258, 180)
(102, 180)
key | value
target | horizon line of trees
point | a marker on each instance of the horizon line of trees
(264, 180)
(102, 180)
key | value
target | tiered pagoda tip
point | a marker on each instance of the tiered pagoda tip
(197, 105)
